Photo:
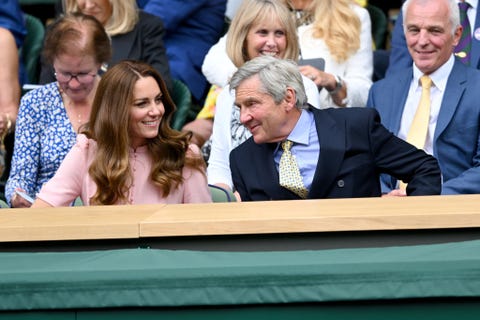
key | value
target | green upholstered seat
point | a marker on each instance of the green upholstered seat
(32, 47)
(220, 194)
(379, 26)
(182, 98)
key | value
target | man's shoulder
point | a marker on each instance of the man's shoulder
(346, 113)
(249, 149)
(392, 80)
(247, 146)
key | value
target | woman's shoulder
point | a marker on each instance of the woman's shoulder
(47, 91)
(146, 20)
(193, 150)
(361, 12)
(42, 98)
(84, 143)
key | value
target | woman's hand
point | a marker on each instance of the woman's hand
(18, 201)
(321, 78)
(327, 81)
(5, 124)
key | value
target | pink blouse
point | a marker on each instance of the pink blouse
(72, 179)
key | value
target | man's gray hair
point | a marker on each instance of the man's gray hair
(275, 76)
(454, 13)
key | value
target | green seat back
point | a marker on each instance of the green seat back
(32, 47)
(379, 26)
(221, 195)
(182, 98)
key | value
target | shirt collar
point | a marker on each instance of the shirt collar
(439, 77)
(301, 132)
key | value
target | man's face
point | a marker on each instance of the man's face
(428, 32)
(266, 120)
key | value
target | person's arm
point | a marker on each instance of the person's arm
(66, 185)
(403, 161)
(173, 12)
(26, 156)
(218, 170)
(385, 180)
(39, 203)
(217, 66)
(240, 189)
(468, 182)
(359, 70)
(354, 75)
(9, 81)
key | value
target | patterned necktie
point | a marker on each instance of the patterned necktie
(290, 177)
(462, 50)
(419, 127)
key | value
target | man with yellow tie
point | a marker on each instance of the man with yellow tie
(434, 104)
(299, 152)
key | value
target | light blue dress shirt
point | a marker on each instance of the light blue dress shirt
(306, 147)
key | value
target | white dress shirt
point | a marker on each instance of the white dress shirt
(439, 83)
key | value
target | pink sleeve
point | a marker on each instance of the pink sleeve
(66, 184)
(195, 183)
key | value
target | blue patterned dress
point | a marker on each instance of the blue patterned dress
(43, 136)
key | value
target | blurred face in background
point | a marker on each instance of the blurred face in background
(266, 38)
(100, 9)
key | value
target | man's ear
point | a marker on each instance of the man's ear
(290, 98)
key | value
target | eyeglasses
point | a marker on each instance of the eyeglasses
(84, 78)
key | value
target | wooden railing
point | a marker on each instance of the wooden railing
(301, 216)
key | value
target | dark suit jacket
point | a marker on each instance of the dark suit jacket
(400, 57)
(144, 42)
(456, 140)
(354, 149)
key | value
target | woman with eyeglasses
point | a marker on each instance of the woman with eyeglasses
(50, 116)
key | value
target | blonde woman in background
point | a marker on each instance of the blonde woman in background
(339, 31)
(135, 34)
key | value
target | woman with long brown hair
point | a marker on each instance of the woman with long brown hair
(127, 153)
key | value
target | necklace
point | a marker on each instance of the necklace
(75, 112)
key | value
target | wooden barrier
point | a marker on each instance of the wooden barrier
(260, 218)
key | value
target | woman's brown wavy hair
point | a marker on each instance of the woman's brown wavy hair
(108, 126)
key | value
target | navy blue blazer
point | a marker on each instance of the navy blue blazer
(456, 141)
(354, 149)
(400, 57)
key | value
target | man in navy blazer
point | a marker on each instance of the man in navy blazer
(400, 58)
(453, 136)
(340, 152)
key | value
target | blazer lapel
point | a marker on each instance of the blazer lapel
(399, 99)
(331, 136)
(267, 173)
(453, 92)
